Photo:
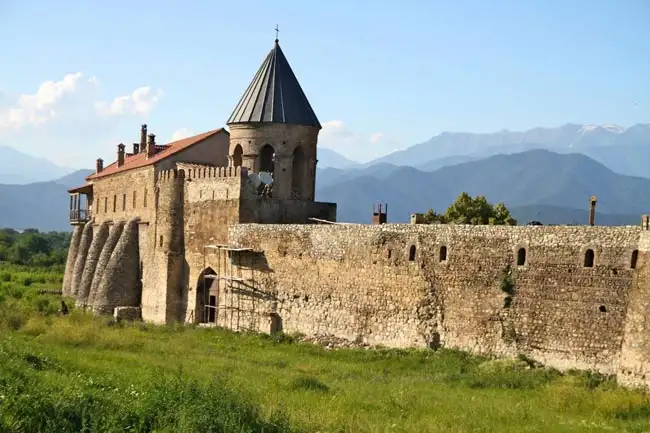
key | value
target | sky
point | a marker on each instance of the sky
(80, 76)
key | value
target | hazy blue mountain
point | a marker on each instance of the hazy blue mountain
(76, 178)
(19, 168)
(328, 158)
(618, 148)
(532, 178)
(41, 205)
(330, 176)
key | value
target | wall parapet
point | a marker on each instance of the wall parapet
(212, 172)
(203, 173)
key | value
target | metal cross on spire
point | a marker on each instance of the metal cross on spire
(277, 30)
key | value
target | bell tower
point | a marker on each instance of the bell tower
(273, 129)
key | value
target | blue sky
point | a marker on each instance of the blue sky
(380, 75)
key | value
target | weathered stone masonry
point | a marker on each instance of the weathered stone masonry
(358, 282)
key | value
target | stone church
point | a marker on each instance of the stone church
(141, 223)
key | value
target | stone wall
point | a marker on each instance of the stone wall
(466, 287)
(114, 235)
(80, 260)
(123, 196)
(634, 369)
(120, 281)
(256, 209)
(99, 240)
(212, 206)
(70, 261)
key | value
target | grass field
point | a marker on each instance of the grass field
(78, 373)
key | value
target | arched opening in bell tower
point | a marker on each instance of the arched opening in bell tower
(237, 156)
(267, 155)
(298, 173)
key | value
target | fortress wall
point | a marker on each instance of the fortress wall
(120, 282)
(256, 209)
(70, 261)
(163, 293)
(634, 367)
(101, 234)
(206, 222)
(115, 232)
(80, 261)
(122, 196)
(357, 282)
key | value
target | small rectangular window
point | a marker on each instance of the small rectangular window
(105, 204)
(145, 197)
(97, 206)
(134, 199)
(123, 202)
(115, 203)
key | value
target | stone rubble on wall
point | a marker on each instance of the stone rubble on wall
(72, 257)
(102, 262)
(80, 262)
(120, 284)
(99, 240)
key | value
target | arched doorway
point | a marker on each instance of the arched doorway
(237, 156)
(206, 301)
(298, 172)
(267, 155)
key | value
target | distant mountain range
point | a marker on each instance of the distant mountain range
(545, 174)
(19, 168)
(535, 182)
(623, 150)
(42, 205)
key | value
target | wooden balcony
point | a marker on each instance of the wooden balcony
(79, 216)
(81, 200)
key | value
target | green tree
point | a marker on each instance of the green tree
(472, 210)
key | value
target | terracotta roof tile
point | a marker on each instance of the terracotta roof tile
(140, 160)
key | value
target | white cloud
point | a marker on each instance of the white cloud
(181, 134)
(336, 135)
(67, 120)
(140, 101)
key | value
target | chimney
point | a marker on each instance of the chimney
(592, 210)
(143, 138)
(151, 145)
(120, 155)
(379, 215)
(99, 165)
(136, 148)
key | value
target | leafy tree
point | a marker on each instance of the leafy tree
(472, 210)
(32, 247)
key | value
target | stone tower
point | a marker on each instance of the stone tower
(274, 129)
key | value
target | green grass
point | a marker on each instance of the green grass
(78, 373)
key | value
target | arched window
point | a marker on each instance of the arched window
(633, 260)
(521, 257)
(443, 253)
(589, 258)
(237, 156)
(298, 171)
(412, 253)
(267, 154)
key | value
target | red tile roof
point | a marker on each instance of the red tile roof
(140, 160)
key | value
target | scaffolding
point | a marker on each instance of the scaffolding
(229, 285)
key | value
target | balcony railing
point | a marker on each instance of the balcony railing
(80, 215)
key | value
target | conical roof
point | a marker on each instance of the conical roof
(274, 96)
